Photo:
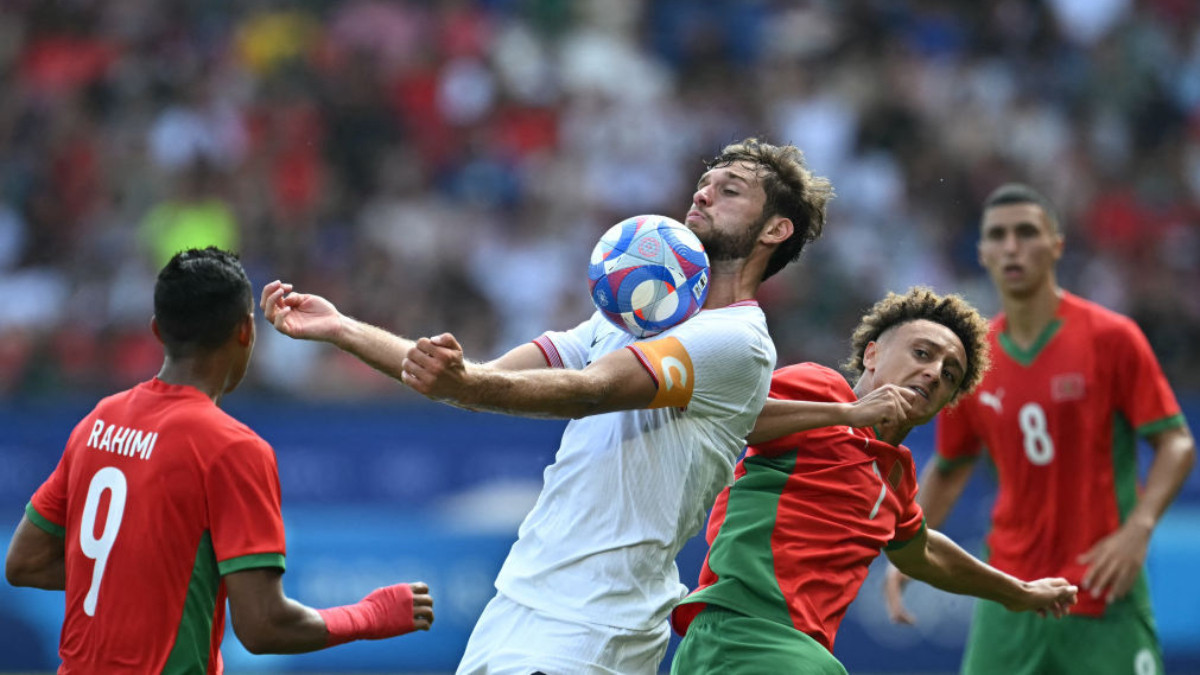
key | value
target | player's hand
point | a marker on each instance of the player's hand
(894, 582)
(299, 315)
(887, 405)
(396, 610)
(1050, 596)
(1115, 561)
(436, 368)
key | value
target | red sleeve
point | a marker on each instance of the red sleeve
(50, 500)
(911, 523)
(244, 508)
(955, 436)
(804, 382)
(1139, 386)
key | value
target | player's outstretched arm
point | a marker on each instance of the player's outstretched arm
(268, 622)
(933, 558)
(36, 558)
(779, 418)
(436, 368)
(311, 317)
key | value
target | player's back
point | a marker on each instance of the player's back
(143, 591)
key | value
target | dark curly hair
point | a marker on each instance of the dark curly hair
(951, 311)
(792, 192)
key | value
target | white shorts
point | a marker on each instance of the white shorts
(512, 639)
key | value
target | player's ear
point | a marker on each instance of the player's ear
(154, 329)
(777, 230)
(869, 356)
(245, 330)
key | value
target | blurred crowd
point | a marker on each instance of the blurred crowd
(434, 166)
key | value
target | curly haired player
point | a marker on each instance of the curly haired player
(826, 485)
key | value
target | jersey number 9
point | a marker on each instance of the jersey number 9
(98, 548)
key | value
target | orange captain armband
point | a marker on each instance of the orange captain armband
(669, 363)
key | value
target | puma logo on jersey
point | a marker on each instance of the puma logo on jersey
(993, 400)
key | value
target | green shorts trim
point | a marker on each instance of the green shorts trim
(1124, 640)
(724, 642)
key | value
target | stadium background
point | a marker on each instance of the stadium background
(439, 166)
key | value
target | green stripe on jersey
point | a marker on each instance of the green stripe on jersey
(1124, 465)
(192, 642)
(249, 562)
(945, 465)
(1125, 474)
(42, 522)
(741, 555)
(1026, 356)
(1151, 428)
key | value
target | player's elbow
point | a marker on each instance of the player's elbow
(14, 573)
(255, 637)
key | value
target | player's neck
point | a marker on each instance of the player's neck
(731, 281)
(200, 373)
(1027, 317)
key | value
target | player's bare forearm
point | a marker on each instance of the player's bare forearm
(36, 558)
(552, 393)
(374, 346)
(940, 489)
(780, 418)
(886, 404)
(617, 381)
(941, 563)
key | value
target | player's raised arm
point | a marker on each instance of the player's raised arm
(268, 622)
(934, 558)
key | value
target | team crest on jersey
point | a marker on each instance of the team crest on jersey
(1067, 387)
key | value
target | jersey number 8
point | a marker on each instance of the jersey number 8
(97, 548)
(1038, 446)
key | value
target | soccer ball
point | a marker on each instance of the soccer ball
(647, 274)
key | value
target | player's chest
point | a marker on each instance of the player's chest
(1032, 409)
(867, 476)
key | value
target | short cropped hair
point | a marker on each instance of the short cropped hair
(792, 192)
(951, 311)
(1020, 193)
(199, 298)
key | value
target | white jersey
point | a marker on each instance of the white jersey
(628, 489)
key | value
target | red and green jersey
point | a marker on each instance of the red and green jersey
(791, 539)
(1060, 422)
(158, 494)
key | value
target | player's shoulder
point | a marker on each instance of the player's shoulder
(1096, 318)
(745, 318)
(816, 381)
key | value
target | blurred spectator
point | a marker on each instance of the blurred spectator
(412, 159)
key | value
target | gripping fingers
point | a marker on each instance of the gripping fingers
(422, 606)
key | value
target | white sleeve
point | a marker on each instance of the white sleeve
(569, 349)
(732, 356)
